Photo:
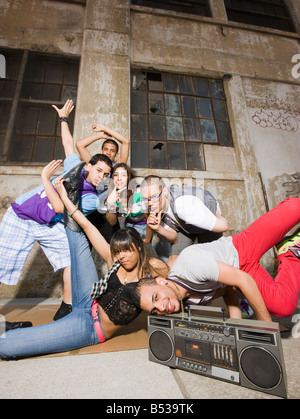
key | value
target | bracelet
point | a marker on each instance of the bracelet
(64, 119)
(70, 214)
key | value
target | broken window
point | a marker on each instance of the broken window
(173, 116)
(29, 126)
(266, 13)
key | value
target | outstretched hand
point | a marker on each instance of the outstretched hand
(154, 220)
(61, 190)
(51, 168)
(65, 110)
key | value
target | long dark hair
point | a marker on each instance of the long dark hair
(128, 239)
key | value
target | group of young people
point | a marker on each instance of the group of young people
(92, 205)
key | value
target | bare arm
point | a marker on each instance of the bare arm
(97, 240)
(82, 144)
(159, 268)
(52, 195)
(234, 277)
(153, 222)
(125, 141)
(67, 139)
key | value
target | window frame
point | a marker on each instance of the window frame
(188, 6)
(143, 115)
(19, 103)
(243, 11)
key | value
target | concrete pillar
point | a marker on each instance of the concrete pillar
(104, 81)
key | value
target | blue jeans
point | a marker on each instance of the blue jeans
(74, 331)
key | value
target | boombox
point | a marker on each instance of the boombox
(243, 352)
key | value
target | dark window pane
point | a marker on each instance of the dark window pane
(158, 156)
(172, 105)
(8, 88)
(138, 102)
(54, 72)
(139, 127)
(204, 108)
(186, 85)
(71, 73)
(27, 121)
(171, 83)
(201, 87)
(216, 89)
(155, 81)
(4, 116)
(47, 119)
(51, 92)
(189, 106)
(139, 154)
(43, 150)
(31, 91)
(21, 149)
(68, 92)
(174, 128)
(156, 103)
(194, 155)
(176, 156)
(224, 133)
(157, 128)
(208, 131)
(191, 129)
(220, 110)
(59, 152)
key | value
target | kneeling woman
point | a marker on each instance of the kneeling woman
(100, 308)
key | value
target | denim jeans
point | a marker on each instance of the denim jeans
(74, 331)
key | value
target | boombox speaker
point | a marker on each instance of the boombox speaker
(243, 352)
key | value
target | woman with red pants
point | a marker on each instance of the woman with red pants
(203, 272)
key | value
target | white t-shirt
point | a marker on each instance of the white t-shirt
(196, 267)
(192, 211)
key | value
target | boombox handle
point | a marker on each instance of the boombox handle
(207, 309)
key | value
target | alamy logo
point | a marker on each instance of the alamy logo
(2, 67)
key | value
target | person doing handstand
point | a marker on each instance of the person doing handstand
(230, 264)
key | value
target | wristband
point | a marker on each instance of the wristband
(70, 214)
(64, 119)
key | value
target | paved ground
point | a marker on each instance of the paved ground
(128, 375)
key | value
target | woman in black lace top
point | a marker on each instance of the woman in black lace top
(100, 307)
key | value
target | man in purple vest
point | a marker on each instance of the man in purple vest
(33, 218)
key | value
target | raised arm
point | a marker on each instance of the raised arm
(154, 222)
(82, 144)
(67, 139)
(125, 141)
(97, 240)
(51, 193)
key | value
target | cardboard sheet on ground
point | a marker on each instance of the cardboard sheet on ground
(130, 337)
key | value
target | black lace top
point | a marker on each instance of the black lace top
(119, 301)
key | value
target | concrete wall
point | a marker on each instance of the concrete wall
(261, 85)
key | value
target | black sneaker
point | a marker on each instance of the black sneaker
(16, 325)
(63, 311)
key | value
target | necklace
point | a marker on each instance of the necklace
(181, 302)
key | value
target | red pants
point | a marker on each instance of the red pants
(280, 294)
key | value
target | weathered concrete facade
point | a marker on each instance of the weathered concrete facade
(261, 73)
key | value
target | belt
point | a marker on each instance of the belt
(97, 323)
